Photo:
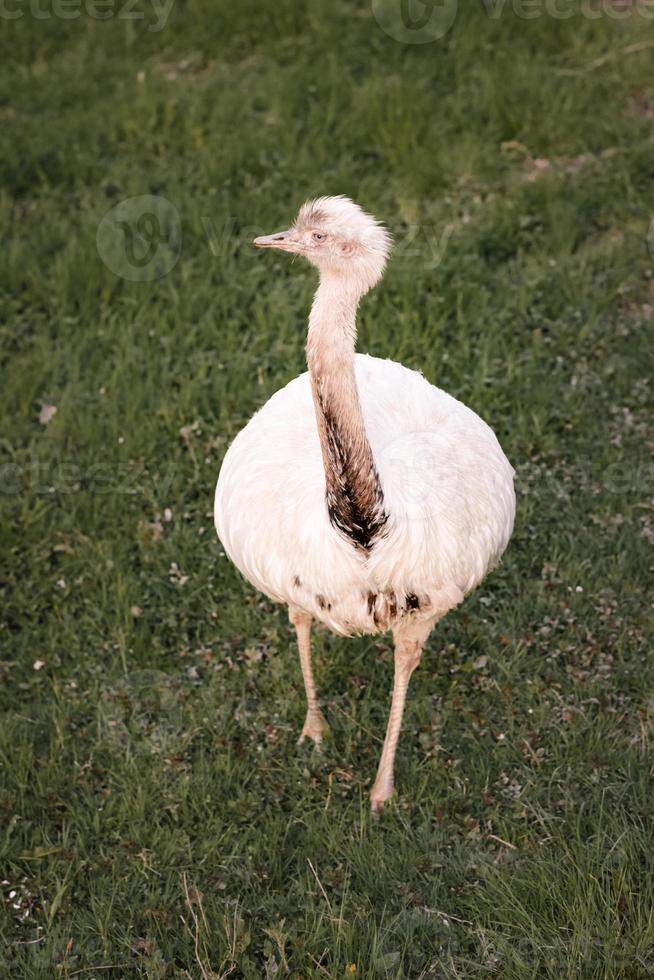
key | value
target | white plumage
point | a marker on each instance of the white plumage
(446, 481)
(361, 495)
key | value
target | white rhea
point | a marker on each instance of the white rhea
(361, 495)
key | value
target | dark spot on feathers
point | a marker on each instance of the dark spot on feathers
(372, 602)
(412, 601)
(322, 602)
(392, 605)
(297, 582)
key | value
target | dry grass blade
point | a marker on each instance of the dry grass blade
(315, 875)
(605, 58)
(199, 934)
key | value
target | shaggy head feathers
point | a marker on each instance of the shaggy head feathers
(337, 236)
(340, 239)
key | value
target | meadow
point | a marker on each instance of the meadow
(157, 818)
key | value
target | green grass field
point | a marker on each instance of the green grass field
(156, 816)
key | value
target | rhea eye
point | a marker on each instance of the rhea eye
(319, 236)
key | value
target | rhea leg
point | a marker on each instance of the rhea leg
(315, 726)
(408, 649)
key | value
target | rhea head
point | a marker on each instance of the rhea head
(339, 238)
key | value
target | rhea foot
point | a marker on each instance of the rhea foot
(315, 727)
(380, 794)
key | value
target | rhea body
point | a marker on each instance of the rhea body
(360, 495)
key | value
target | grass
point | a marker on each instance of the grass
(156, 817)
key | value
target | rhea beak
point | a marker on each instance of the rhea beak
(281, 239)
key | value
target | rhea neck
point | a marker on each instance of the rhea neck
(353, 491)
